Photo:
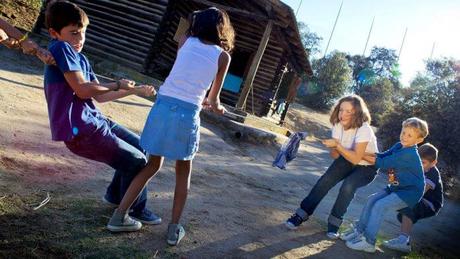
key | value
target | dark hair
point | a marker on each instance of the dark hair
(212, 25)
(360, 116)
(60, 14)
(428, 151)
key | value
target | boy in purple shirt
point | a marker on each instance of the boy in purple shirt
(70, 87)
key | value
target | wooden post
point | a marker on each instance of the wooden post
(254, 67)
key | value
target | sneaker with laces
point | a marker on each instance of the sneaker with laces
(398, 244)
(349, 234)
(360, 243)
(123, 223)
(175, 234)
(146, 217)
(332, 235)
(294, 221)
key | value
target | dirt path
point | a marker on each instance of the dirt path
(235, 209)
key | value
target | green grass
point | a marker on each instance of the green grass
(34, 4)
(64, 228)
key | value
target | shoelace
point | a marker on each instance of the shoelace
(357, 239)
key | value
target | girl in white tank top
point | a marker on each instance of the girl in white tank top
(172, 128)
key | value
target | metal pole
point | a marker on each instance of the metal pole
(333, 29)
(298, 8)
(402, 44)
(368, 36)
(432, 50)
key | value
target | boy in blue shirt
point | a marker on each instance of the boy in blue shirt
(430, 204)
(405, 188)
(70, 87)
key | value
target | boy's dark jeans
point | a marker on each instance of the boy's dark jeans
(119, 148)
(354, 176)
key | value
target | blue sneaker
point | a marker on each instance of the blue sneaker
(109, 202)
(294, 221)
(146, 217)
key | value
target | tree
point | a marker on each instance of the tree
(384, 62)
(378, 97)
(331, 79)
(310, 40)
(381, 63)
(434, 95)
(358, 64)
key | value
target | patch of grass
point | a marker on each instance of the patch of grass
(20, 13)
(414, 255)
(33, 4)
(64, 228)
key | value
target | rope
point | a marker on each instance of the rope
(226, 112)
(44, 202)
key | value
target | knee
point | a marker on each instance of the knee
(134, 164)
(348, 189)
(326, 181)
(139, 162)
(379, 206)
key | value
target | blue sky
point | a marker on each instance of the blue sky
(428, 21)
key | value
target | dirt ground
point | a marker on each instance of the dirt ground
(236, 207)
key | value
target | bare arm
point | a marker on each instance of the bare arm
(333, 153)
(142, 90)
(28, 46)
(427, 187)
(370, 158)
(182, 40)
(3, 35)
(214, 93)
(86, 90)
(353, 156)
(10, 30)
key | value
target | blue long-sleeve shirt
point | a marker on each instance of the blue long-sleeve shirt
(406, 163)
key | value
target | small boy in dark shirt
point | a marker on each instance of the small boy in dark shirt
(430, 204)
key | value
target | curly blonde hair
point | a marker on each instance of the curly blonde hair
(420, 125)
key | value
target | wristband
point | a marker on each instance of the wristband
(23, 38)
(118, 86)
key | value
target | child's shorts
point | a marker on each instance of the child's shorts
(420, 211)
(172, 129)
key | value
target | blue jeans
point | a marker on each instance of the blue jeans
(374, 210)
(353, 176)
(119, 148)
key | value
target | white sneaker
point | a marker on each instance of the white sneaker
(398, 244)
(332, 235)
(349, 234)
(126, 224)
(361, 244)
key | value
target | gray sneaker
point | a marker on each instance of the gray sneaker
(349, 234)
(122, 223)
(398, 244)
(175, 233)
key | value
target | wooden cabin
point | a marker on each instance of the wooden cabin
(140, 34)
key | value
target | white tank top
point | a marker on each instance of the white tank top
(194, 70)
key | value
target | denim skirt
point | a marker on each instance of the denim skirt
(172, 129)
